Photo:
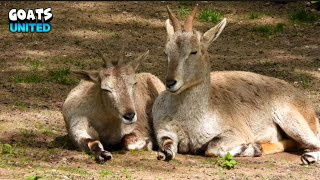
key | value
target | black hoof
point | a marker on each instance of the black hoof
(165, 155)
(307, 158)
(103, 156)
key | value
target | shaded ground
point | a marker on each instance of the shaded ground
(34, 82)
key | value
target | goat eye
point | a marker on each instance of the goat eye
(135, 83)
(106, 90)
(194, 52)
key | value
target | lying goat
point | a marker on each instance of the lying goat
(213, 113)
(110, 106)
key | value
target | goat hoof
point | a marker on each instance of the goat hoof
(257, 150)
(165, 155)
(258, 146)
(161, 156)
(103, 156)
(307, 158)
(106, 155)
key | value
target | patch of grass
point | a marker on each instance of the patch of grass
(7, 149)
(268, 63)
(183, 11)
(89, 154)
(47, 132)
(34, 76)
(24, 160)
(29, 78)
(77, 42)
(44, 130)
(35, 64)
(303, 16)
(280, 74)
(127, 174)
(269, 30)
(254, 15)
(22, 106)
(227, 161)
(60, 76)
(80, 65)
(105, 174)
(53, 151)
(211, 16)
(28, 134)
(304, 80)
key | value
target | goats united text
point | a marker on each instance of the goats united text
(37, 20)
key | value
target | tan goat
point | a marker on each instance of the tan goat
(110, 106)
(243, 113)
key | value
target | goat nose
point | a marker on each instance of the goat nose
(170, 83)
(129, 116)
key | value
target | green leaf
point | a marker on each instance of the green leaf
(227, 161)
(233, 161)
(228, 156)
(33, 178)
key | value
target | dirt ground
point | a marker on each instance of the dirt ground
(34, 82)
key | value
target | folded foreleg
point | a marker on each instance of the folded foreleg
(86, 138)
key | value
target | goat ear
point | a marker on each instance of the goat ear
(169, 27)
(87, 75)
(213, 33)
(136, 62)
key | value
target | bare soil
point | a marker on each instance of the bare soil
(31, 97)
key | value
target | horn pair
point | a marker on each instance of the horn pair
(188, 24)
(113, 62)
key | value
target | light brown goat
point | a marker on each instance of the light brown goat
(110, 106)
(219, 112)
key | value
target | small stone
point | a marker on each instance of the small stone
(192, 162)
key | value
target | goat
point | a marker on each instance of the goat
(212, 113)
(111, 108)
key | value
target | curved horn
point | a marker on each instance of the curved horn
(121, 55)
(106, 62)
(175, 23)
(189, 21)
